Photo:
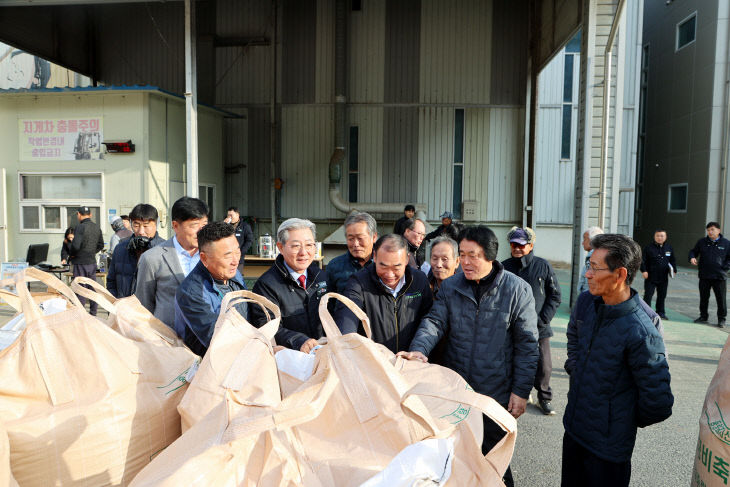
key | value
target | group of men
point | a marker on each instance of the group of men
(464, 309)
(711, 254)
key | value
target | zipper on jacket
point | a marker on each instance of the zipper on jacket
(395, 312)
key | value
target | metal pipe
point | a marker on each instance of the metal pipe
(338, 156)
(272, 117)
(191, 100)
(726, 137)
(607, 57)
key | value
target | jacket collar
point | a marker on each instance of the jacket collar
(312, 271)
(613, 311)
(721, 237)
(526, 260)
(356, 263)
(205, 274)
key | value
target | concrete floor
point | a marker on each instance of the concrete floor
(664, 452)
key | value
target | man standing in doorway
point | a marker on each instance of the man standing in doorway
(712, 255)
(243, 233)
(87, 241)
(657, 263)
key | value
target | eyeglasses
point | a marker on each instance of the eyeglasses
(517, 245)
(593, 268)
(421, 234)
(308, 247)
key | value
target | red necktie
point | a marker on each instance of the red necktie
(302, 279)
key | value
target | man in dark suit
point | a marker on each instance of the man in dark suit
(657, 262)
(87, 241)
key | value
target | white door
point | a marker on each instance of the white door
(3, 217)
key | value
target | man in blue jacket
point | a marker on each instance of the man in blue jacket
(198, 299)
(712, 255)
(361, 232)
(619, 377)
(488, 318)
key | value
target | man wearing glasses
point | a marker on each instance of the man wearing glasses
(295, 285)
(539, 274)
(488, 318)
(414, 233)
(619, 377)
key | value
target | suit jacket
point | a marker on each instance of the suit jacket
(159, 274)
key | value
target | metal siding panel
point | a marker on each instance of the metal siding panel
(306, 147)
(505, 165)
(435, 156)
(402, 47)
(299, 27)
(455, 59)
(369, 120)
(236, 154)
(476, 158)
(367, 53)
(509, 52)
(400, 154)
(325, 54)
(141, 44)
(259, 162)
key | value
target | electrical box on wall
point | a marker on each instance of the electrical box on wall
(469, 210)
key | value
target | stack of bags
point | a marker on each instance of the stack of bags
(361, 418)
(126, 403)
(81, 403)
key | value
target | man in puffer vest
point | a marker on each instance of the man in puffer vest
(619, 377)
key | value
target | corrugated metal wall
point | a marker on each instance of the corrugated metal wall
(367, 53)
(306, 146)
(456, 41)
(555, 177)
(411, 64)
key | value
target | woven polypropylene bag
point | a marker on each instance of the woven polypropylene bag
(712, 457)
(83, 405)
(339, 428)
(239, 360)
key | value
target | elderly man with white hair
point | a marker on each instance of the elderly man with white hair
(295, 285)
(587, 237)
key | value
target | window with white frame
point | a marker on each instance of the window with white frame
(49, 201)
(686, 31)
(677, 198)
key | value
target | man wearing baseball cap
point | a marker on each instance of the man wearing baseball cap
(539, 274)
(87, 241)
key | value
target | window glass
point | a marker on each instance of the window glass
(566, 132)
(678, 198)
(686, 32)
(52, 217)
(459, 135)
(574, 44)
(51, 186)
(31, 218)
(458, 178)
(568, 79)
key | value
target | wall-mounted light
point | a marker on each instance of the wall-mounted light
(119, 147)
